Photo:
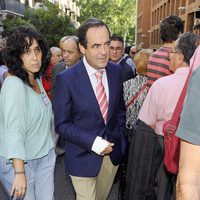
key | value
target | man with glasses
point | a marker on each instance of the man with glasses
(118, 56)
(161, 101)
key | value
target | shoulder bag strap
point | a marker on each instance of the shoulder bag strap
(177, 112)
(137, 94)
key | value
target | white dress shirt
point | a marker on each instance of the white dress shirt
(99, 144)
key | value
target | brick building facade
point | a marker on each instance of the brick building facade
(151, 12)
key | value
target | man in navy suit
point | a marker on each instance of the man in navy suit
(71, 55)
(94, 139)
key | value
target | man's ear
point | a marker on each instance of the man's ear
(181, 58)
(82, 48)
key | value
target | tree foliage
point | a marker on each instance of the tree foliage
(119, 15)
(10, 23)
(47, 20)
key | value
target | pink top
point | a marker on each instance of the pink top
(196, 58)
(162, 98)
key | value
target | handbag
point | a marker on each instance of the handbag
(144, 158)
(171, 141)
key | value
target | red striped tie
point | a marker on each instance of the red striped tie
(101, 95)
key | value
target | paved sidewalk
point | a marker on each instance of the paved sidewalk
(63, 187)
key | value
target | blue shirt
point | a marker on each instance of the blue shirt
(25, 119)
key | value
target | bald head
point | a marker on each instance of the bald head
(70, 50)
(133, 51)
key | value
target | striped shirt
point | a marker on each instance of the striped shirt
(158, 65)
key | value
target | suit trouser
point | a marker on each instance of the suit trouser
(96, 188)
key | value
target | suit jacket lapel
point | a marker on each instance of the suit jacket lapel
(86, 88)
(112, 91)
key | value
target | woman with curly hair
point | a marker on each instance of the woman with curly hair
(27, 157)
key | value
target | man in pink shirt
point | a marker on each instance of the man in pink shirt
(162, 98)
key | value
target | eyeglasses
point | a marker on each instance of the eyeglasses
(174, 52)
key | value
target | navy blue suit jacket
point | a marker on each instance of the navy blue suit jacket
(79, 121)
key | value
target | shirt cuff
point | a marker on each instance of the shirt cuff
(99, 145)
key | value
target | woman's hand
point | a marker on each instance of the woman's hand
(19, 183)
(19, 186)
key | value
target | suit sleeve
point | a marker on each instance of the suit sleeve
(122, 121)
(63, 113)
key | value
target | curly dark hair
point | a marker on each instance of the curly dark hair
(18, 40)
(187, 44)
(170, 28)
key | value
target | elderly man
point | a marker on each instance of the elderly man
(55, 59)
(162, 98)
(70, 54)
(56, 55)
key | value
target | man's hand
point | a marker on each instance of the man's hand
(108, 149)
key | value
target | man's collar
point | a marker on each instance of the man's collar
(89, 68)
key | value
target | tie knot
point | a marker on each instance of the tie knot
(99, 75)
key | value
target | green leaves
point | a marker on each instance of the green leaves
(119, 15)
(48, 21)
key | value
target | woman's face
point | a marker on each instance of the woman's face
(32, 58)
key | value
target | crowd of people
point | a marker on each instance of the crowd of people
(86, 99)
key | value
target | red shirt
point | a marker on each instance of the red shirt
(46, 81)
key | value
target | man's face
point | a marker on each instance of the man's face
(97, 51)
(116, 51)
(56, 56)
(197, 31)
(132, 52)
(175, 58)
(70, 52)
